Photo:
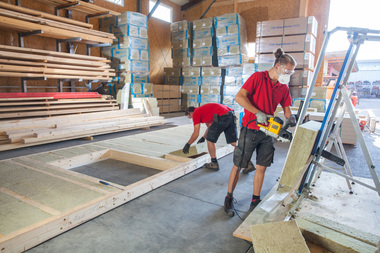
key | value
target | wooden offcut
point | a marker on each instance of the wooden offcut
(282, 236)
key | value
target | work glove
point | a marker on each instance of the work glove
(262, 118)
(291, 121)
(186, 148)
(201, 140)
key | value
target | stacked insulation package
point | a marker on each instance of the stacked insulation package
(181, 41)
(296, 36)
(205, 55)
(231, 39)
(129, 53)
(192, 81)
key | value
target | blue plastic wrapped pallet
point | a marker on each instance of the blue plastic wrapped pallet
(130, 30)
(130, 78)
(205, 99)
(233, 81)
(191, 71)
(231, 90)
(210, 90)
(181, 53)
(228, 19)
(133, 66)
(190, 89)
(180, 35)
(203, 51)
(212, 71)
(180, 26)
(212, 80)
(229, 60)
(228, 50)
(229, 100)
(205, 42)
(192, 80)
(203, 33)
(141, 89)
(133, 42)
(203, 23)
(123, 55)
(192, 100)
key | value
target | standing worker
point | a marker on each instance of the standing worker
(218, 118)
(259, 96)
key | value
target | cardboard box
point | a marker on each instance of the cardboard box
(166, 91)
(296, 43)
(301, 78)
(305, 60)
(291, 26)
(169, 105)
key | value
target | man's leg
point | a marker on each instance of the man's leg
(258, 179)
(211, 149)
(234, 178)
(213, 165)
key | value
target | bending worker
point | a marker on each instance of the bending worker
(218, 118)
(259, 96)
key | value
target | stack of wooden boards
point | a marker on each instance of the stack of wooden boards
(27, 62)
(27, 20)
(30, 132)
(81, 6)
(168, 97)
(49, 105)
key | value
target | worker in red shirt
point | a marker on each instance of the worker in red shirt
(218, 119)
(259, 96)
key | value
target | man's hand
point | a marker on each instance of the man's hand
(186, 148)
(292, 120)
(201, 140)
(261, 118)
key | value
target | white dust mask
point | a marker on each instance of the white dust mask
(284, 79)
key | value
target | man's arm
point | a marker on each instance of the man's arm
(287, 112)
(195, 134)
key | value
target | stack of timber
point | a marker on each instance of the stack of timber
(22, 107)
(81, 6)
(30, 132)
(27, 20)
(27, 62)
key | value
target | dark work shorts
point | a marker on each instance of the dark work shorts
(249, 141)
(226, 124)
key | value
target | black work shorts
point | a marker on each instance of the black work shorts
(249, 141)
(226, 124)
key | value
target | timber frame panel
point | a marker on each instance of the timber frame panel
(151, 149)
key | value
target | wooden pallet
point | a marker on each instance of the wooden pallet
(31, 215)
(27, 62)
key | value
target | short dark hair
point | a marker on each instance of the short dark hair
(189, 110)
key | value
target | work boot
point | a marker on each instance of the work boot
(250, 168)
(229, 206)
(254, 203)
(212, 166)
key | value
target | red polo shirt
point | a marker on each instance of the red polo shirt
(265, 96)
(205, 113)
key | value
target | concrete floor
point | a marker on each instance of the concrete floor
(185, 215)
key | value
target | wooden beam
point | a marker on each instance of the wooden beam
(304, 5)
(52, 32)
(44, 15)
(191, 4)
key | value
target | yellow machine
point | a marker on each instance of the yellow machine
(275, 129)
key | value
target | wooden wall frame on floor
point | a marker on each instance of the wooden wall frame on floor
(47, 198)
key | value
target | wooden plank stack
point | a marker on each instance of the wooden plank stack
(29, 132)
(21, 108)
(26, 62)
(26, 20)
(84, 7)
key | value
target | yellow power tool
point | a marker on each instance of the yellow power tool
(276, 130)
